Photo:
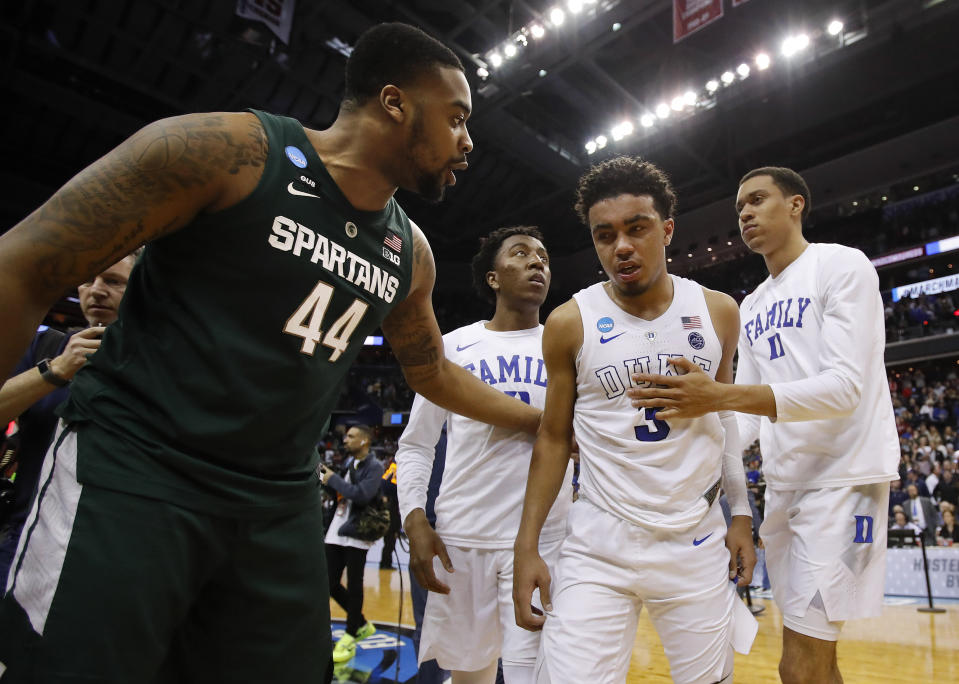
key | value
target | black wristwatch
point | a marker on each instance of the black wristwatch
(47, 374)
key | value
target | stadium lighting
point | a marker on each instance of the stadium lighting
(662, 110)
(537, 31)
(542, 73)
(496, 59)
(728, 77)
(591, 147)
(622, 129)
(616, 26)
(510, 51)
(834, 28)
(762, 61)
(647, 120)
(557, 16)
(743, 70)
(677, 103)
(575, 6)
(712, 85)
(794, 44)
(689, 98)
(482, 72)
(601, 141)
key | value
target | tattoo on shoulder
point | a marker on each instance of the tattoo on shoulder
(107, 203)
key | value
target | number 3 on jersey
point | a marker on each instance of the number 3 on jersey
(307, 322)
(653, 429)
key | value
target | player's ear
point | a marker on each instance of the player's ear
(492, 281)
(668, 227)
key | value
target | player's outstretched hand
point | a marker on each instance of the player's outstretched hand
(530, 572)
(424, 544)
(742, 554)
(690, 394)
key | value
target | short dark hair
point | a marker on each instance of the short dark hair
(392, 54)
(624, 176)
(788, 181)
(362, 429)
(485, 259)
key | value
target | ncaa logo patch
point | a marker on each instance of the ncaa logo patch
(696, 340)
(604, 324)
(295, 155)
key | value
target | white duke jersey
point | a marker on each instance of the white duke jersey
(641, 469)
(815, 334)
(484, 481)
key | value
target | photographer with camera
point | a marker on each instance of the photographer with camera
(40, 384)
(346, 543)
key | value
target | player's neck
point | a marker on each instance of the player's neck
(352, 152)
(780, 259)
(507, 318)
(649, 304)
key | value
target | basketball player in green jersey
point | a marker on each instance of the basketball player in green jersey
(176, 535)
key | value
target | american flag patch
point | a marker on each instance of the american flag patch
(690, 322)
(393, 241)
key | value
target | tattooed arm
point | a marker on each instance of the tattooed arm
(416, 340)
(153, 184)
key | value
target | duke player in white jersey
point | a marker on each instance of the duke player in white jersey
(468, 623)
(812, 382)
(646, 528)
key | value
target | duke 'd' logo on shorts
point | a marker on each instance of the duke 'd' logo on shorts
(696, 341)
(604, 324)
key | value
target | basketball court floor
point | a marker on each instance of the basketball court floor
(903, 646)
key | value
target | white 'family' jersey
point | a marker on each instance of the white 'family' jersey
(815, 334)
(484, 480)
(644, 470)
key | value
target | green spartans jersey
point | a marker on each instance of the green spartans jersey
(235, 334)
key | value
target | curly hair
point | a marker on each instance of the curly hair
(788, 181)
(485, 259)
(392, 54)
(624, 176)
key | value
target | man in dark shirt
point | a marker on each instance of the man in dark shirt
(40, 384)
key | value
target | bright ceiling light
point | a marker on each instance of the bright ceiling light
(537, 31)
(834, 28)
(677, 103)
(482, 72)
(647, 120)
(662, 110)
(743, 70)
(794, 44)
(689, 98)
(542, 73)
(728, 77)
(496, 59)
(601, 141)
(575, 6)
(622, 129)
(510, 51)
(762, 61)
(712, 85)
(557, 16)
(591, 147)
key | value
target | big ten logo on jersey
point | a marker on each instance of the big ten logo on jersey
(391, 256)
(516, 370)
(615, 380)
(778, 315)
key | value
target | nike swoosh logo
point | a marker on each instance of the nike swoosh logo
(697, 542)
(604, 340)
(459, 348)
(294, 191)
